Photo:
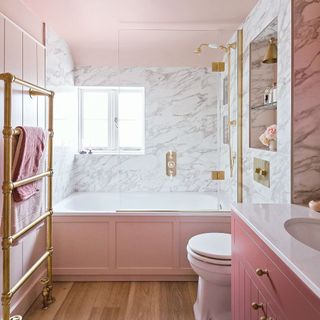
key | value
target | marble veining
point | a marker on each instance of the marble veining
(306, 106)
(181, 115)
(60, 74)
(59, 61)
(280, 162)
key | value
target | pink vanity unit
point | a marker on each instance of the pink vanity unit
(274, 276)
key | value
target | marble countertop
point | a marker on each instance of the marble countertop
(267, 221)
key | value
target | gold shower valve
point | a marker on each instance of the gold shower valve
(261, 172)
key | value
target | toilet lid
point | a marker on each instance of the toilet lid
(212, 245)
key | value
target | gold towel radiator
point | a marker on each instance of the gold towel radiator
(7, 187)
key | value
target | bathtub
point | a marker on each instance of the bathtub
(101, 202)
(131, 236)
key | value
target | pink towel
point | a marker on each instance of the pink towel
(26, 161)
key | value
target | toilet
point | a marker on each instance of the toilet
(209, 255)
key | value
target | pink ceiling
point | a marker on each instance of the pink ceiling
(142, 32)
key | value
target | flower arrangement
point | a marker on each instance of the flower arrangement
(269, 137)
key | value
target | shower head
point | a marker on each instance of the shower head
(199, 49)
(214, 46)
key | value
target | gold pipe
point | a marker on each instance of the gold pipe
(28, 274)
(30, 226)
(39, 176)
(230, 123)
(16, 132)
(49, 298)
(7, 192)
(8, 77)
(240, 116)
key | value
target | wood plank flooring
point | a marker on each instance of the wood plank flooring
(118, 301)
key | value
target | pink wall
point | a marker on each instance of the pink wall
(18, 13)
(306, 102)
(23, 56)
(142, 32)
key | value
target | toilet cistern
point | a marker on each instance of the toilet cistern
(171, 163)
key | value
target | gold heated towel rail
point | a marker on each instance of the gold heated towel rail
(8, 239)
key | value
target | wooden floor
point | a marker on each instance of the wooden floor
(118, 301)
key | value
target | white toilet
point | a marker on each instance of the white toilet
(209, 255)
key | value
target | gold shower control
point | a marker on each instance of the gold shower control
(171, 163)
(217, 175)
(261, 171)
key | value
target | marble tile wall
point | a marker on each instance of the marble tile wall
(280, 162)
(59, 78)
(181, 115)
(306, 103)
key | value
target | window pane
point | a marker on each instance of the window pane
(131, 105)
(131, 118)
(95, 112)
(95, 104)
(95, 133)
(130, 134)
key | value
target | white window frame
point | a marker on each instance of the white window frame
(113, 140)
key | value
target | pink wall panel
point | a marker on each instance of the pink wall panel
(30, 66)
(1, 99)
(81, 245)
(16, 11)
(13, 64)
(1, 44)
(17, 50)
(138, 247)
(144, 244)
(33, 247)
(41, 52)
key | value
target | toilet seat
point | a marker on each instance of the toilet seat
(216, 262)
(215, 247)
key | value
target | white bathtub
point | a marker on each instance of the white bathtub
(131, 236)
(100, 202)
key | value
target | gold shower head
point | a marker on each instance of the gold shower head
(215, 46)
(199, 49)
(271, 55)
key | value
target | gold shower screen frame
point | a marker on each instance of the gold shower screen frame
(8, 238)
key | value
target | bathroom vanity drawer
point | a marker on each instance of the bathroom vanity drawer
(285, 291)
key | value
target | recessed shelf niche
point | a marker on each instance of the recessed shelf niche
(263, 84)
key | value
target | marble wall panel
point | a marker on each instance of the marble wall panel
(181, 115)
(306, 102)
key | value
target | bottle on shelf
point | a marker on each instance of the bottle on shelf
(267, 97)
(274, 92)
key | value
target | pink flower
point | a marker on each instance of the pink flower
(271, 132)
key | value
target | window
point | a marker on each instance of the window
(112, 120)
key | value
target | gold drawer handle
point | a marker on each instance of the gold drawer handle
(265, 318)
(260, 272)
(256, 305)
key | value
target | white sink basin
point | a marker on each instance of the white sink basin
(306, 230)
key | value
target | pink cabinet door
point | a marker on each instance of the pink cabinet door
(283, 295)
